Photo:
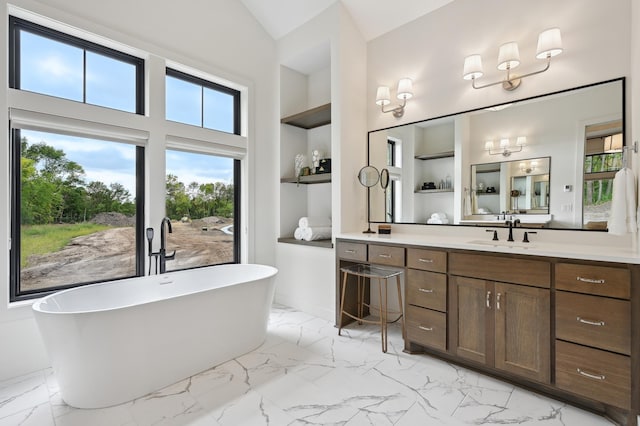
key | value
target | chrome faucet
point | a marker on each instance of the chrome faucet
(163, 243)
(511, 224)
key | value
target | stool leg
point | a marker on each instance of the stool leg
(383, 309)
(360, 298)
(400, 303)
(344, 288)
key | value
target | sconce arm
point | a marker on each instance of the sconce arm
(510, 82)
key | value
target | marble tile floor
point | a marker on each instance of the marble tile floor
(305, 374)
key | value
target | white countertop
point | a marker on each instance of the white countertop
(534, 248)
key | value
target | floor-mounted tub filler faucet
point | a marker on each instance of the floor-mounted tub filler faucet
(162, 254)
(163, 245)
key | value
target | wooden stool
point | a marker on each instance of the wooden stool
(371, 272)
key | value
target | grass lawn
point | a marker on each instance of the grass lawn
(42, 239)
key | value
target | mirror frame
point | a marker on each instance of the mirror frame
(622, 80)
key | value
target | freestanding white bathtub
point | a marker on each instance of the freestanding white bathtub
(113, 342)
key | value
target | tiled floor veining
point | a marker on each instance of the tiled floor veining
(305, 374)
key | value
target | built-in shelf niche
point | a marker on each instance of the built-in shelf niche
(305, 126)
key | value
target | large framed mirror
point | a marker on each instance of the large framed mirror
(576, 136)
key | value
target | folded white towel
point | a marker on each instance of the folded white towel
(433, 221)
(439, 215)
(314, 222)
(623, 203)
(317, 233)
(297, 234)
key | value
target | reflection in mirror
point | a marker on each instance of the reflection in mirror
(518, 187)
(429, 162)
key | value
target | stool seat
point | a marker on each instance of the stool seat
(382, 275)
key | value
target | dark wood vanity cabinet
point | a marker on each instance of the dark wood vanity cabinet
(501, 325)
(593, 332)
(426, 298)
(559, 326)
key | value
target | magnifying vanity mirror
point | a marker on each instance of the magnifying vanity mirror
(551, 162)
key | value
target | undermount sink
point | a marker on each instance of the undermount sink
(505, 244)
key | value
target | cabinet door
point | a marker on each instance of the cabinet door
(522, 331)
(471, 308)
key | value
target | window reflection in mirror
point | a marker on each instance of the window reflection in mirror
(603, 157)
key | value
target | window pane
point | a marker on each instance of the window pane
(77, 205)
(218, 110)
(183, 101)
(200, 204)
(50, 67)
(111, 83)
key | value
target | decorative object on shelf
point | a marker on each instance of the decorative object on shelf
(404, 92)
(299, 162)
(521, 141)
(324, 166)
(491, 190)
(368, 176)
(428, 185)
(316, 155)
(384, 229)
(549, 45)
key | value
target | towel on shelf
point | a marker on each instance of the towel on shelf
(297, 234)
(314, 222)
(433, 221)
(316, 233)
(438, 218)
(623, 203)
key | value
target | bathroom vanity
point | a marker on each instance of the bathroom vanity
(549, 317)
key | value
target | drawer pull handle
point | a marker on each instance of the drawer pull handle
(591, 376)
(488, 300)
(590, 322)
(425, 260)
(590, 280)
(426, 290)
(422, 327)
(385, 256)
(350, 251)
(498, 301)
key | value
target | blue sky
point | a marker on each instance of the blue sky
(56, 69)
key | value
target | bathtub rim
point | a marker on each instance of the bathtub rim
(36, 305)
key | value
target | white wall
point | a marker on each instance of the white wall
(431, 51)
(208, 36)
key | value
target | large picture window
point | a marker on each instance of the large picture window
(52, 63)
(74, 211)
(202, 202)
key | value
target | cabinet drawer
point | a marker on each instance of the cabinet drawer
(426, 289)
(593, 320)
(593, 373)
(426, 327)
(386, 255)
(428, 260)
(352, 251)
(515, 270)
(599, 280)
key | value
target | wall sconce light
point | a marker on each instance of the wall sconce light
(528, 168)
(504, 146)
(549, 45)
(404, 92)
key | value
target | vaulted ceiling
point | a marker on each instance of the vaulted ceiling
(373, 17)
